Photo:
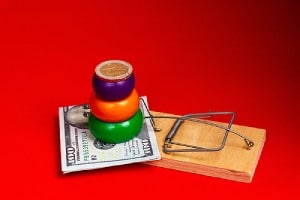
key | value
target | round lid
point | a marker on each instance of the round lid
(113, 70)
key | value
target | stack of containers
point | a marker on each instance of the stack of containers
(115, 114)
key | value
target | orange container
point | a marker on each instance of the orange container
(115, 111)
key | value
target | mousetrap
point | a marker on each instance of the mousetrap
(192, 144)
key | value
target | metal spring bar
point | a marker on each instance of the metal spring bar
(192, 117)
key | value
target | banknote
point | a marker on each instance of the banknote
(80, 150)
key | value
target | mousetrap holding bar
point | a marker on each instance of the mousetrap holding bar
(197, 117)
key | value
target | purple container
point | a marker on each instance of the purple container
(113, 91)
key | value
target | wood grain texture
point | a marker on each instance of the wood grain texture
(233, 162)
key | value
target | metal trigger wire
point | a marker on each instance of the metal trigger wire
(194, 118)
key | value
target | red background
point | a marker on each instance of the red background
(188, 56)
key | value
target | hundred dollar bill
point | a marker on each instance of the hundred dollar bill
(81, 151)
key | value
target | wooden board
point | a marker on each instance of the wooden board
(234, 162)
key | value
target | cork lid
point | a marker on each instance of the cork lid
(113, 70)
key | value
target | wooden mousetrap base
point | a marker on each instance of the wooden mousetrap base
(233, 162)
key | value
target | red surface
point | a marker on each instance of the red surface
(188, 56)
